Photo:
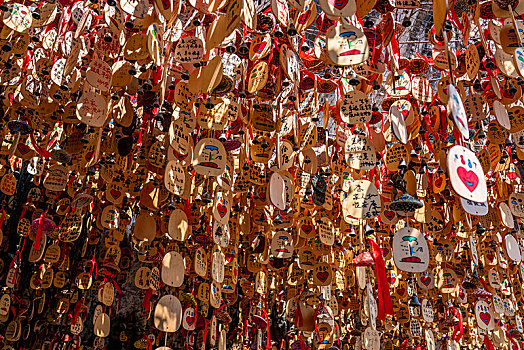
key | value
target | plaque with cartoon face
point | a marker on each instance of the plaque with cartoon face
(466, 174)
(282, 245)
(516, 204)
(447, 280)
(322, 274)
(347, 45)
(410, 250)
(189, 319)
(484, 316)
(209, 157)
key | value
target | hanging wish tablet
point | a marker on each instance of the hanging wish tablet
(430, 339)
(347, 45)
(466, 174)
(474, 208)
(168, 314)
(483, 315)
(410, 250)
(456, 108)
(277, 193)
(501, 114)
(362, 201)
(173, 268)
(512, 248)
(209, 157)
(398, 124)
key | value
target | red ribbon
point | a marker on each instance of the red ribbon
(2, 218)
(38, 237)
(487, 343)
(268, 333)
(205, 331)
(458, 327)
(394, 48)
(512, 340)
(484, 284)
(149, 344)
(147, 298)
(93, 267)
(78, 305)
(385, 307)
(187, 209)
(44, 153)
(299, 321)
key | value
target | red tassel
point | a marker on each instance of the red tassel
(145, 303)
(487, 342)
(187, 209)
(2, 218)
(78, 306)
(268, 334)
(458, 327)
(38, 237)
(385, 307)
(149, 344)
(299, 322)
(44, 153)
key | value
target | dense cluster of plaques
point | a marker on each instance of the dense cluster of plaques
(205, 174)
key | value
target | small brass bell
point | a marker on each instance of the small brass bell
(354, 80)
(414, 302)
(292, 31)
(231, 48)
(36, 13)
(209, 103)
(278, 32)
(244, 48)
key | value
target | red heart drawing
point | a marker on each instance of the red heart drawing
(462, 295)
(438, 182)
(258, 48)
(385, 251)
(338, 4)
(485, 317)
(392, 280)
(322, 276)
(23, 148)
(305, 16)
(425, 280)
(401, 291)
(389, 214)
(115, 194)
(222, 209)
(469, 178)
(307, 229)
(189, 320)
